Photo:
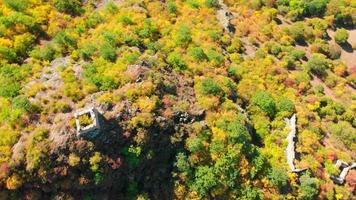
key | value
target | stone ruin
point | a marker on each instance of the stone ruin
(290, 150)
(91, 130)
(345, 168)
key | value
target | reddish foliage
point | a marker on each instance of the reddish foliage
(332, 156)
(324, 188)
(61, 171)
(351, 179)
(289, 82)
(312, 99)
(115, 164)
(167, 101)
(126, 134)
(4, 170)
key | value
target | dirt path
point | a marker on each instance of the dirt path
(328, 92)
(330, 142)
(348, 55)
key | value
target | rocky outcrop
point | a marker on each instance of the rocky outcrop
(224, 16)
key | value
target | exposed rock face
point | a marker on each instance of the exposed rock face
(136, 72)
(224, 16)
(61, 133)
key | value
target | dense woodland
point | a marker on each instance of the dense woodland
(189, 109)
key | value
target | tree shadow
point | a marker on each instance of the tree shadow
(278, 21)
(347, 47)
(302, 43)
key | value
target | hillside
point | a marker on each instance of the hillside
(177, 99)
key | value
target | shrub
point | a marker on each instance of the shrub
(61, 106)
(65, 40)
(251, 193)
(95, 161)
(215, 56)
(183, 36)
(72, 7)
(126, 20)
(265, 101)
(12, 89)
(297, 31)
(108, 52)
(86, 51)
(297, 54)
(172, 7)
(176, 61)
(93, 20)
(18, 5)
(8, 54)
(195, 144)
(343, 19)
(22, 102)
(73, 160)
(182, 163)
(285, 105)
(309, 187)
(44, 53)
(37, 149)
(334, 52)
(211, 3)
(278, 177)
(315, 7)
(197, 53)
(24, 43)
(142, 120)
(14, 182)
(256, 4)
(341, 36)
(319, 89)
(205, 180)
(236, 46)
(210, 87)
(318, 64)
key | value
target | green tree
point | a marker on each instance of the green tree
(176, 61)
(183, 36)
(22, 102)
(278, 177)
(172, 7)
(251, 193)
(205, 180)
(18, 5)
(211, 3)
(210, 87)
(72, 7)
(341, 36)
(315, 7)
(318, 64)
(297, 31)
(309, 187)
(265, 101)
(182, 163)
(195, 144)
(285, 105)
(108, 51)
(37, 149)
(197, 53)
